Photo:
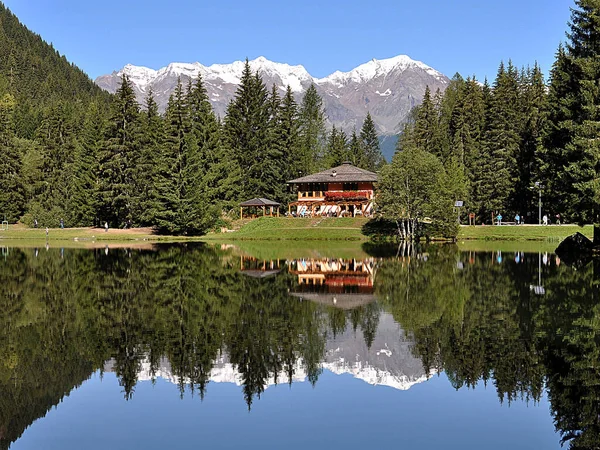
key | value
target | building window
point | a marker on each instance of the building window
(351, 186)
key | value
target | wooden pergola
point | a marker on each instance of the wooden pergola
(263, 203)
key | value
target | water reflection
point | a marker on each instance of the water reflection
(194, 315)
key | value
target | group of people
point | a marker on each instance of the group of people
(520, 221)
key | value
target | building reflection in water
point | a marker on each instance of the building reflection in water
(343, 283)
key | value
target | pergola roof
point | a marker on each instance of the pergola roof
(346, 173)
(260, 202)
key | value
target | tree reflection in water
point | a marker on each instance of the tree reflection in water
(475, 316)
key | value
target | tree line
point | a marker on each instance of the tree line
(498, 147)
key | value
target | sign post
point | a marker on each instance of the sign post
(458, 204)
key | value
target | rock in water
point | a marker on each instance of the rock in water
(575, 251)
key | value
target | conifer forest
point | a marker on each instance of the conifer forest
(70, 151)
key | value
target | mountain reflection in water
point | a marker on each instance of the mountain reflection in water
(195, 315)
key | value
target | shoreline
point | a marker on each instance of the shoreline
(283, 229)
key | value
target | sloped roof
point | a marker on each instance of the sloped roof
(260, 202)
(346, 173)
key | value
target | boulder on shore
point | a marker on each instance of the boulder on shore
(576, 250)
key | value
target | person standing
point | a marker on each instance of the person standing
(47, 233)
(545, 220)
(106, 227)
(62, 224)
(518, 219)
(499, 219)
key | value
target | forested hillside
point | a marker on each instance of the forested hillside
(71, 152)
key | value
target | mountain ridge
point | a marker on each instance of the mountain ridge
(387, 88)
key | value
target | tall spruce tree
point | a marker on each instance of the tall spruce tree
(535, 109)
(179, 181)
(12, 192)
(356, 151)
(84, 182)
(147, 204)
(57, 138)
(206, 133)
(246, 133)
(313, 135)
(289, 137)
(116, 157)
(337, 148)
(574, 117)
(502, 140)
(374, 159)
(426, 125)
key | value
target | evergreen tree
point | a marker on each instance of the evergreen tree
(116, 157)
(313, 135)
(370, 142)
(12, 192)
(179, 181)
(574, 101)
(246, 133)
(337, 148)
(84, 182)
(356, 151)
(502, 141)
(206, 133)
(289, 137)
(57, 138)
(534, 122)
(147, 205)
(426, 126)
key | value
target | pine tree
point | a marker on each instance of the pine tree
(574, 116)
(289, 137)
(313, 135)
(356, 151)
(502, 142)
(170, 184)
(534, 122)
(370, 142)
(426, 126)
(207, 139)
(84, 182)
(147, 205)
(12, 192)
(246, 133)
(337, 148)
(56, 136)
(119, 150)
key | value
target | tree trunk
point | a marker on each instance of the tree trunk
(597, 235)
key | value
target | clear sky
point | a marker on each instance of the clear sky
(466, 36)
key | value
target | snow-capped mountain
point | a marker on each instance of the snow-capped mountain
(386, 88)
(388, 362)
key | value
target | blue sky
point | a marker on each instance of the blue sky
(466, 36)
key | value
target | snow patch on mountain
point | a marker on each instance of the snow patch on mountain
(377, 68)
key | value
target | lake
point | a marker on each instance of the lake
(345, 346)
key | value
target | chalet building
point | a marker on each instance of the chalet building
(344, 190)
(343, 283)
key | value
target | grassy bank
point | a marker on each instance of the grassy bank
(82, 237)
(297, 229)
(551, 233)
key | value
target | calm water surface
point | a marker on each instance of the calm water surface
(190, 347)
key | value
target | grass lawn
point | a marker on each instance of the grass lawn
(19, 235)
(550, 233)
(300, 229)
